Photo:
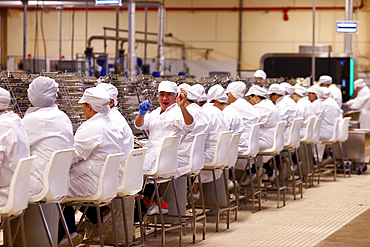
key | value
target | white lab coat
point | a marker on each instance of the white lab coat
(332, 112)
(128, 137)
(233, 120)
(337, 94)
(319, 108)
(217, 125)
(13, 146)
(306, 111)
(288, 112)
(201, 126)
(48, 130)
(362, 103)
(160, 125)
(95, 139)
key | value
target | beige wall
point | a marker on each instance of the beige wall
(263, 31)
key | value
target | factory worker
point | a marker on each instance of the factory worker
(202, 94)
(286, 106)
(170, 119)
(361, 103)
(332, 113)
(289, 89)
(314, 95)
(48, 128)
(13, 144)
(269, 117)
(235, 92)
(304, 106)
(94, 140)
(117, 118)
(261, 76)
(327, 81)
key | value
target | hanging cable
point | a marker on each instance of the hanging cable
(73, 32)
(42, 34)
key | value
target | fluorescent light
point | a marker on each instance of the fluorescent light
(346, 26)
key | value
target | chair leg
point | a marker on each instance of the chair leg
(193, 222)
(251, 179)
(300, 173)
(283, 168)
(140, 219)
(292, 168)
(64, 223)
(334, 162)
(258, 182)
(45, 225)
(216, 199)
(235, 192)
(125, 218)
(178, 209)
(160, 211)
(277, 182)
(114, 226)
(23, 232)
(318, 164)
(203, 206)
(307, 164)
(347, 156)
(311, 157)
(9, 234)
(100, 226)
(227, 197)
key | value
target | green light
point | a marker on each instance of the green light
(351, 76)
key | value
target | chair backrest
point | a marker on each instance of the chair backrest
(334, 136)
(279, 136)
(167, 156)
(56, 177)
(19, 188)
(316, 131)
(108, 180)
(294, 138)
(132, 179)
(343, 133)
(254, 146)
(309, 130)
(196, 158)
(233, 149)
(221, 154)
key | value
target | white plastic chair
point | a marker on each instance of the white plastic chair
(219, 162)
(132, 183)
(330, 142)
(306, 141)
(56, 184)
(277, 147)
(164, 170)
(17, 200)
(106, 192)
(292, 145)
(315, 141)
(251, 153)
(342, 138)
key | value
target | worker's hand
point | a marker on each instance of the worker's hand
(181, 97)
(144, 107)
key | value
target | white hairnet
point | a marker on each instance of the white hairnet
(260, 74)
(202, 93)
(325, 79)
(191, 93)
(111, 89)
(4, 99)
(237, 89)
(276, 88)
(257, 90)
(359, 83)
(288, 88)
(301, 91)
(97, 98)
(325, 92)
(42, 92)
(217, 92)
(167, 86)
(316, 89)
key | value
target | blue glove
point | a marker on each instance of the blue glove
(144, 107)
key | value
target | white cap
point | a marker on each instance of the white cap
(42, 92)
(260, 74)
(359, 83)
(325, 79)
(112, 90)
(217, 92)
(257, 90)
(200, 89)
(326, 93)
(191, 93)
(97, 98)
(276, 88)
(237, 89)
(288, 88)
(301, 91)
(4, 99)
(316, 90)
(167, 86)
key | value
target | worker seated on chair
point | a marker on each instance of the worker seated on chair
(234, 121)
(13, 144)
(326, 81)
(48, 128)
(269, 117)
(95, 139)
(314, 95)
(172, 118)
(117, 118)
(304, 107)
(202, 94)
(289, 89)
(361, 103)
